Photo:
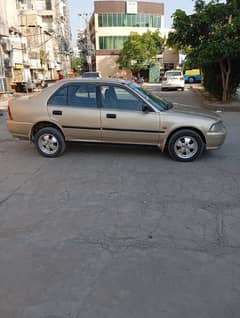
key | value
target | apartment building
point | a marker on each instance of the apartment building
(45, 24)
(34, 41)
(6, 22)
(111, 24)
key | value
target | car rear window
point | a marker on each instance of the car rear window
(59, 97)
(169, 74)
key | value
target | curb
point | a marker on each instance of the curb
(231, 107)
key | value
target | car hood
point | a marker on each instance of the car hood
(195, 111)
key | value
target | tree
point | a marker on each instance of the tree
(213, 34)
(140, 51)
(76, 65)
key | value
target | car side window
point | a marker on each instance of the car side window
(59, 97)
(82, 95)
(119, 98)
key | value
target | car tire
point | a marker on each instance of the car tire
(185, 145)
(49, 142)
(191, 80)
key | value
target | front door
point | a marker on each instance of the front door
(74, 107)
(123, 119)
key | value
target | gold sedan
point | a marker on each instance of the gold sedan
(112, 111)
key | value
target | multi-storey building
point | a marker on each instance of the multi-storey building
(45, 24)
(111, 24)
(34, 41)
(8, 22)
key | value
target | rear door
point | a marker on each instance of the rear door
(74, 107)
(123, 119)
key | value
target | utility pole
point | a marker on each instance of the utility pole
(86, 16)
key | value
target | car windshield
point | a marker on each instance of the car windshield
(158, 102)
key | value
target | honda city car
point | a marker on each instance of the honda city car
(112, 111)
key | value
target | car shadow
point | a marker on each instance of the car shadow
(114, 149)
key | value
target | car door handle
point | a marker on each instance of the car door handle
(57, 112)
(111, 116)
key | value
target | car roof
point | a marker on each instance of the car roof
(48, 91)
(93, 80)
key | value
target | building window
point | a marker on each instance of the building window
(129, 20)
(39, 5)
(111, 42)
(48, 4)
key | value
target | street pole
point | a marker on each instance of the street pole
(86, 17)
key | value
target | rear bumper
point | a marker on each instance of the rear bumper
(20, 130)
(173, 85)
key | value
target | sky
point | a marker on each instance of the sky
(86, 6)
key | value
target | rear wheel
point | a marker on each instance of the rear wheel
(185, 145)
(49, 142)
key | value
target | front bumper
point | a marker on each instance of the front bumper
(214, 140)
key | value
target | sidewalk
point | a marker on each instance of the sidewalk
(212, 104)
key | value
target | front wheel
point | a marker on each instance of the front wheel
(49, 142)
(185, 145)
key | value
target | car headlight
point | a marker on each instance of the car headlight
(217, 127)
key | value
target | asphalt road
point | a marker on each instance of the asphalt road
(119, 231)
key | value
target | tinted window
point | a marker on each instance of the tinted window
(119, 98)
(169, 74)
(59, 97)
(82, 95)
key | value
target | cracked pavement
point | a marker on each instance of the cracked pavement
(119, 231)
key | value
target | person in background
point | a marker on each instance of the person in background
(60, 75)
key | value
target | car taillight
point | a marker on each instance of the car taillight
(164, 78)
(181, 78)
(9, 113)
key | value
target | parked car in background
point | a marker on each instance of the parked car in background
(192, 76)
(173, 80)
(91, 74)
(112, 111)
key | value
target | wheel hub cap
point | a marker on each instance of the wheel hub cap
(186, 147)
(48, 144)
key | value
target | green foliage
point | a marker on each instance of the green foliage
(213, 35)
(139, 51)
(76, 65)
(213, 81)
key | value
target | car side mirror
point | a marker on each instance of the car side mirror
(145, 109)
